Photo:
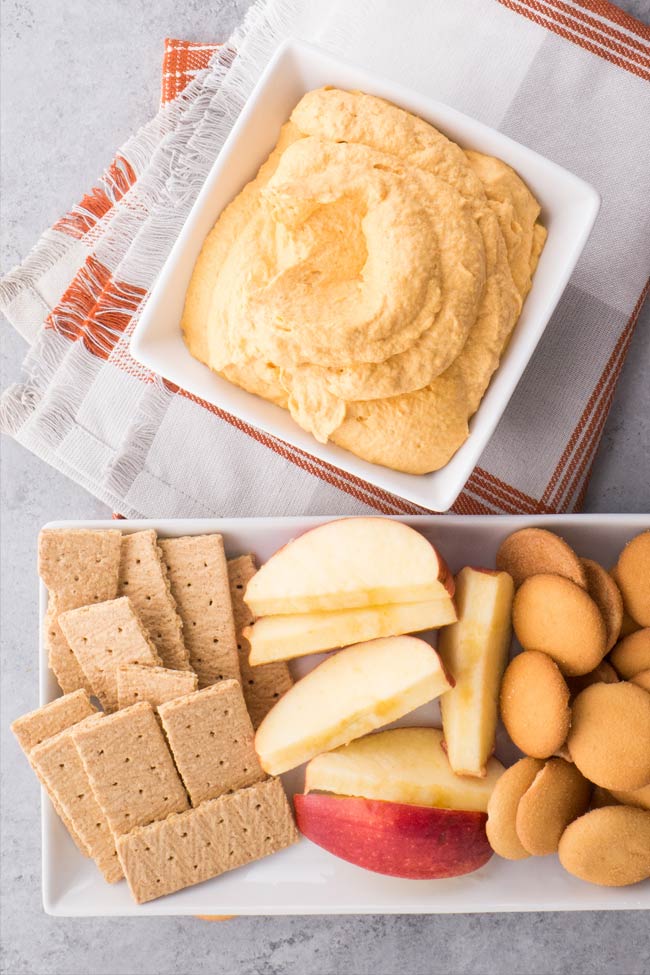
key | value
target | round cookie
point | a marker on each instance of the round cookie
(631, 655)
(530, 551)
(609, 740)
(557, 796)
(642, 680)
(607, 597)
(608, 846)
(633, 576)
(554, 615)
(502, 808)
(604, 673)
(534, 703)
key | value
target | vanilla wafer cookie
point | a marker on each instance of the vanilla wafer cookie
(219, 835)
(143, 578)
(607, 596)
(130, 768)
(79, 566)
(57, 762)
(198, 574)
(211, 738)
(531, 551)
(137, 682)
(265, 684)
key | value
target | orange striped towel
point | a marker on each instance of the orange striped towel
(570, 78)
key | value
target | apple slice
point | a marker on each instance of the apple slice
(405, 765)
(475, 650)
(350, 563)
(352, 692)
(414, 842)
(285, 637)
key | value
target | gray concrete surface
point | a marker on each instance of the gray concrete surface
(59, 128)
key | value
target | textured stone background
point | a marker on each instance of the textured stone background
(60, 126)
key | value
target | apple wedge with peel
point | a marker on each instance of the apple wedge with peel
(348, 564)
(351, 693)
(413, 842)
(404, 765)
(475, 650)
(296, 635)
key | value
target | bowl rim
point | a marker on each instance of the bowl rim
(436, 490)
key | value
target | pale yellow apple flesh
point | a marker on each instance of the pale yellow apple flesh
(285, 637)
(475, 650)
(349, 564)
(351, 693)
(406, 765)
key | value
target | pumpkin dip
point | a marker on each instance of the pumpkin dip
(367, 280)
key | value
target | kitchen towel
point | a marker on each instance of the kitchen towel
(569, 79)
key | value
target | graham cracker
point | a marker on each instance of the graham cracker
(136, 682)
(130, 768)
(265, 684)
(39, 725)
(198, 575)
(103, 636)
(33, 728)
(79, 566)
(60, 657)
(61, 770)
(144, 580)
(212, 741)
(217, 836)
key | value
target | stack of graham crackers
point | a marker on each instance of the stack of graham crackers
(163, 785)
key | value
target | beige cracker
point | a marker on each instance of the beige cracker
(198, 575)
(143, 579)
(33, 728)
(211, 738)
(263, 685)
(60, 768)
(78, 566)
(217, 836)
(130, 768)
(37, 726)
(137, 682)
(103, 636)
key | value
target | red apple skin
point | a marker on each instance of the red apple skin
(395, 839)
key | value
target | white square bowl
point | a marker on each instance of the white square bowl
(305, 879)
(569, 208)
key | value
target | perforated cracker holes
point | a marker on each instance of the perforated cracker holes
(211, 737)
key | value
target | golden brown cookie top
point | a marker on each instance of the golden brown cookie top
(534, 703)
(607, 597)
(609, 740)
(502, 808)
(633, 576)
(558, 794)
(608, 846)
(553, 614)
(530, 551)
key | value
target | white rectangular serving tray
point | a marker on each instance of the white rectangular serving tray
(305, 879)
(569, 208)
